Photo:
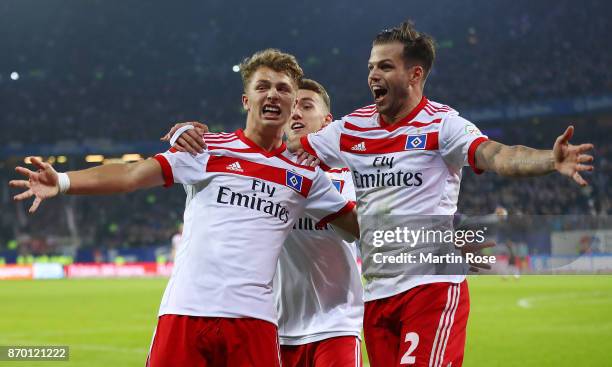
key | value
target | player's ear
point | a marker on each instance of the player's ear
(416, 74)
(245, 102)
(329, 118)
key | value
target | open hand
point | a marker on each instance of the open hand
(570, 159)
(42, 184)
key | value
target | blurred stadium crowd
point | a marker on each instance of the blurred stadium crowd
(126, 72)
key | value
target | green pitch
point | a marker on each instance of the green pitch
(535, 321)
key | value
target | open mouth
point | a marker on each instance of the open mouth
(379, 93)
(271, 111)
(296, 125)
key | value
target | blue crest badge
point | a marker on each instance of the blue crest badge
(416, 141)
(294, 181)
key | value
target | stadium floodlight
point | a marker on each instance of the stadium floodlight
(14, 75)
(112, 160)
(27, 160)
(236, 68)
(62, 159)
(94, 158)
(133, 157)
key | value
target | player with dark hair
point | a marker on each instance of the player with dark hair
(406, 155)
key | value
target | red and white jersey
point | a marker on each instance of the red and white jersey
(409, 168)
(242, 203)
(318, 287)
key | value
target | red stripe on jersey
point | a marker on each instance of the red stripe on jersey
(358, 145)
(253, 145)
(237, 150)
(429, 111)
(207, 135)
(213, 134)
(219, 141)
(166, 170)
(219, 136)
(362, 114)
(345, 209)
(423, 124)
(338, 170)
(310, 150)
(472, 154)
(438, 108)
(349, 126)
(367, 111)
(369, 108)
(247, 168)
(287, 160)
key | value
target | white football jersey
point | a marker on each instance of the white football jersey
(407, 169)
(242, 203)
(318, 287)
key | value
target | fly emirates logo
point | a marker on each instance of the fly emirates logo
(254, 200)
(385, 175)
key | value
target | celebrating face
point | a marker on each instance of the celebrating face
(389, 79)
(269, 98)
(309, 115)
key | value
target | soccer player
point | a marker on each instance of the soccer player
(406, 154)
(318, 284)
(218, 308)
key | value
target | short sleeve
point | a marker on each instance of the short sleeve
(325, 145)
(459, 139)
(324, 202)
(182, 167)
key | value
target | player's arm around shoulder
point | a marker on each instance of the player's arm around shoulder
(323, 145)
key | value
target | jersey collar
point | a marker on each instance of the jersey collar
(406, 119)
(257, 148)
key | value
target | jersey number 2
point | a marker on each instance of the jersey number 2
(413, 339)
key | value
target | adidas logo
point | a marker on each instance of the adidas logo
(235, 167)
(359, 147)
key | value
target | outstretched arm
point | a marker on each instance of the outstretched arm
(521, 161)
(106, 179)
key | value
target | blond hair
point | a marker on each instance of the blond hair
(274, 59)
